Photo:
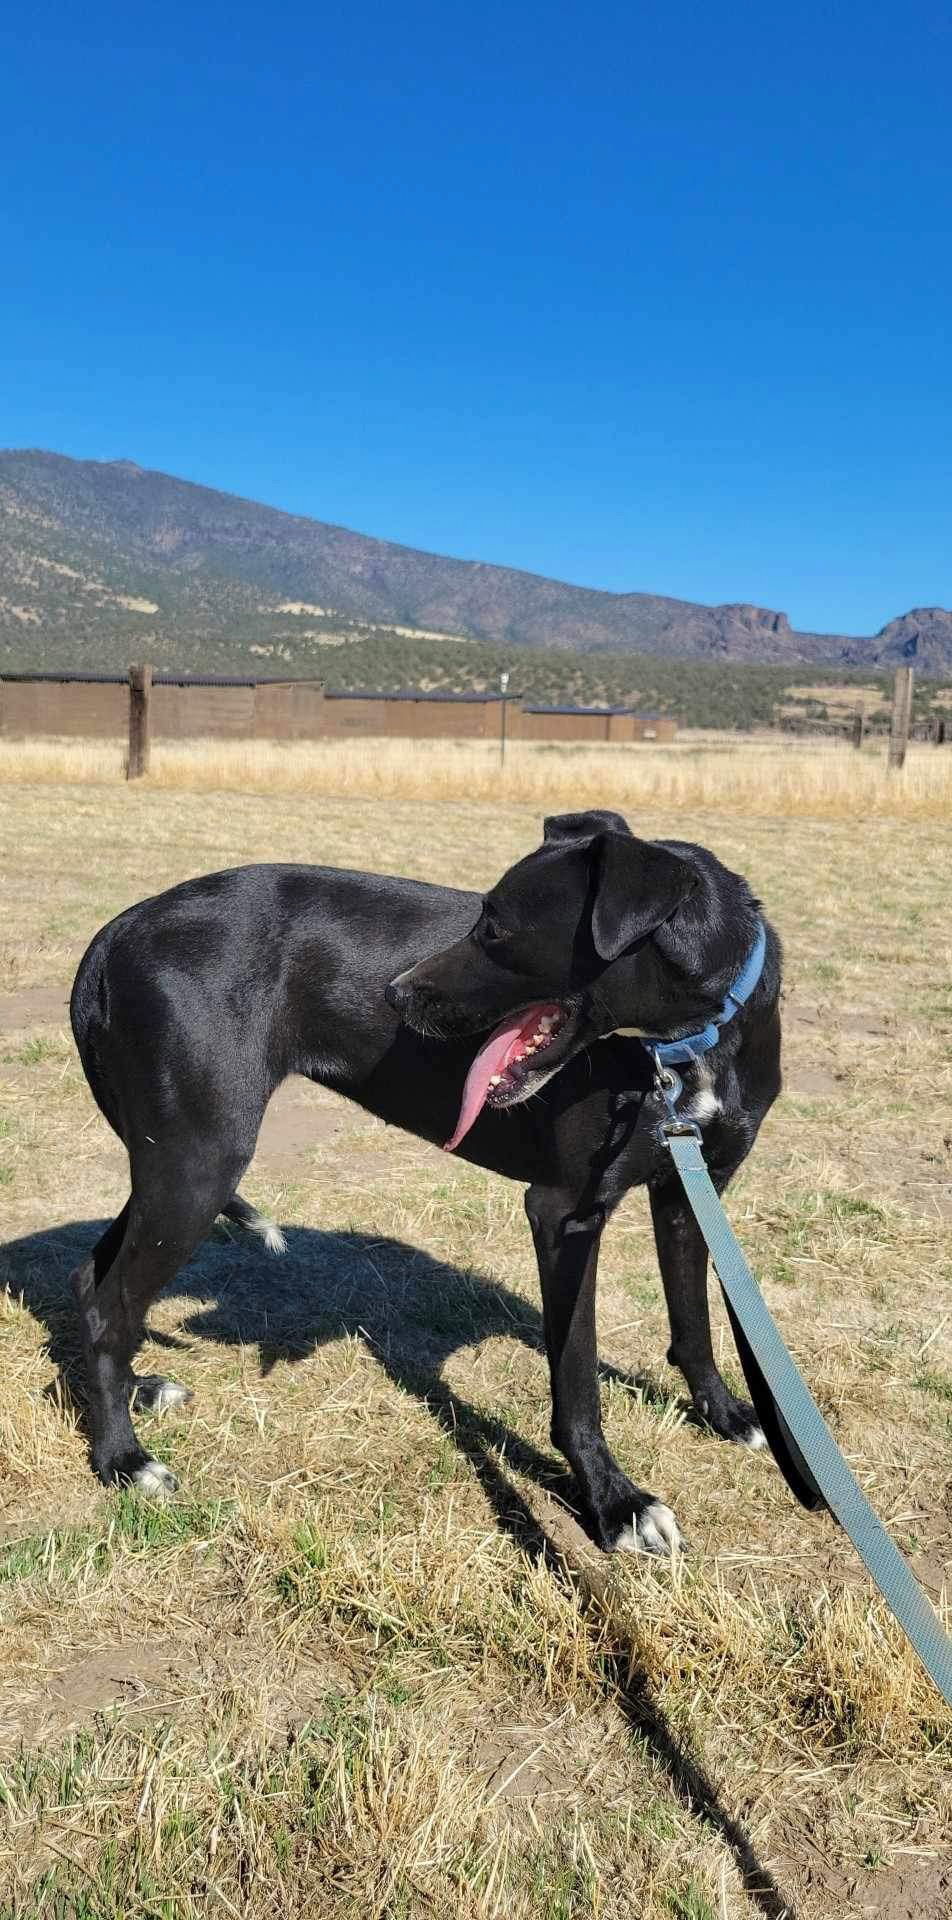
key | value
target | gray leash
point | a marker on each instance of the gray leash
(795, 1427)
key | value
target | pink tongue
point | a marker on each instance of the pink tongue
(493, 1058)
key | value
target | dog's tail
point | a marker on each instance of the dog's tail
(245, 1215)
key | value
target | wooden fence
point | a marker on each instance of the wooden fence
(148, 706)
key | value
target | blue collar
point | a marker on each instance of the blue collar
(677, 1053)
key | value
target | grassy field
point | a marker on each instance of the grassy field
(732, 773)
(366, 1664)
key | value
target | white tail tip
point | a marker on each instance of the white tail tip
(245, 1215)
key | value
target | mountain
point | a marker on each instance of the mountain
(103, 562)
(922, 638)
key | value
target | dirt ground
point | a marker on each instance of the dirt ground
(367, 1660)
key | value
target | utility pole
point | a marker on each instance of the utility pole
(503, 684)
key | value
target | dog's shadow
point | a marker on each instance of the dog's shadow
(413, 1312)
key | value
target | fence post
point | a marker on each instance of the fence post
(901, 714)
(856, 731)
(140, 722)
(503, 686)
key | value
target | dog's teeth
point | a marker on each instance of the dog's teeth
(496, 1080)
(547, 1022)
(531, 1048)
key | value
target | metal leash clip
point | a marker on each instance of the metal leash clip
(669, 1087)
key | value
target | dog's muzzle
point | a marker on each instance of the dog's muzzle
(399, 993)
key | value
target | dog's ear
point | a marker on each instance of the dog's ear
(584, 826)
(637, 886)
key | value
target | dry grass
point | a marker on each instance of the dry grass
(366, 1664)
(733, 774)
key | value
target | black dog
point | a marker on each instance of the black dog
(192, 1007)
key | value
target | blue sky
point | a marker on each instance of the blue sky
(654, 298)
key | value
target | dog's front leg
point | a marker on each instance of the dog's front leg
(566, 1243)
(682, 1257)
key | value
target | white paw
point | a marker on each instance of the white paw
(154, 1481)
(655, 1530)
(152, 1394)
(754, 1439)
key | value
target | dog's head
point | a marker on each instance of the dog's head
(556, 957)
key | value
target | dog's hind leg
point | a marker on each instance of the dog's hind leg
(622, 1515)
(147, 1393)
(682, 1257)
(152, 1392)
(175, 1200)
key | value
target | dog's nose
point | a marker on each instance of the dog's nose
(400, 992)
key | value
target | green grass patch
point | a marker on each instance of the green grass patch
(134, 1526)
(933, 1381)
(297, 1584)
(692, 1904)
(40, 1048)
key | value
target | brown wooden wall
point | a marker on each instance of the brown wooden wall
(93, 710)
(292, 711)
(203, 713)
(411, 719)
(558, 726)
(660, 728)
(87, 709)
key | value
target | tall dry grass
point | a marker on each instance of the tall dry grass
(820, 780)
